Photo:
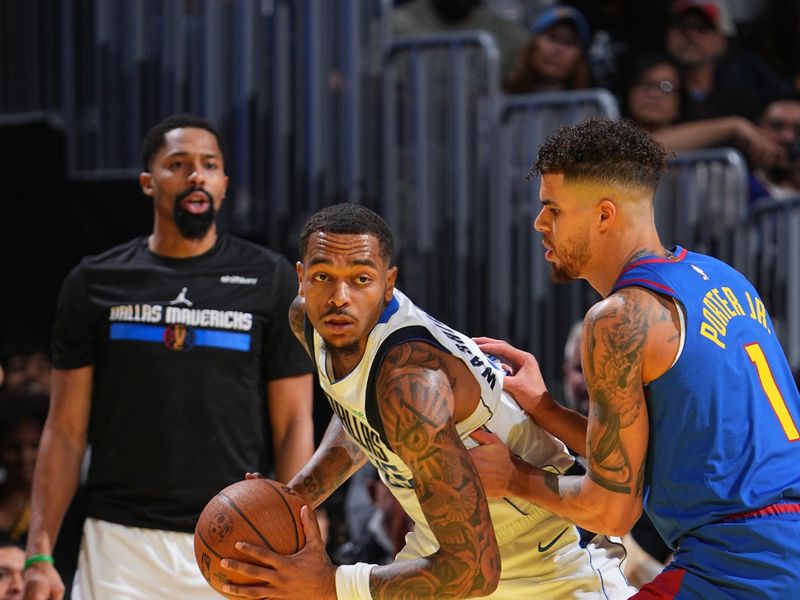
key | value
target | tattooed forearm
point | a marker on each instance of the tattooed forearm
(337, 457)
(615, 342)
(416, 400)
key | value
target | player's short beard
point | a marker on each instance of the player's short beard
(194, 226)
(573, 256)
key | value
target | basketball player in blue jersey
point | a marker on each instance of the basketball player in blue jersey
(407, 390)
(693, 410)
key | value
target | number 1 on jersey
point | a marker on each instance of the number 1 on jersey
(774, 395)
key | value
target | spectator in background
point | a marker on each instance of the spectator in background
(780, 122)
(27, 369)
(554, 57)
(22, 418)
(651, 97)
(430, 16)
(12, 560)
(697, 39)
(173, 358)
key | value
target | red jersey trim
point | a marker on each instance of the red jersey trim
(780, 508)
(644, 261)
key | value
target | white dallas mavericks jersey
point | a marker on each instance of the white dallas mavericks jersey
(518, 524)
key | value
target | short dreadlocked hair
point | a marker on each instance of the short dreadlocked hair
(615, 152)
(350, 219)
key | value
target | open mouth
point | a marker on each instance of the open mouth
(196, 203)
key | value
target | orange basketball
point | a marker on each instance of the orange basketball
(258, 511)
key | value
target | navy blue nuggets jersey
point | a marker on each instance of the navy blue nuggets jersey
(724, 419)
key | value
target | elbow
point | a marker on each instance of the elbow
(620, 521)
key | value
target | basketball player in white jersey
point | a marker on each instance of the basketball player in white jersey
(407, 391)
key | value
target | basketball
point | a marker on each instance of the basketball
(258, 511)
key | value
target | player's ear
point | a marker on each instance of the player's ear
(146, 182)
(300, 271)
(606, 214)
(391, 277)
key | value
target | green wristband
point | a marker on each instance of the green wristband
(37, 558)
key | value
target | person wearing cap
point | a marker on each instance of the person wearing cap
(555, 56)
(696, 38)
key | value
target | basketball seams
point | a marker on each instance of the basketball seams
(298, 526)
(226, 517)
(207, 545)
(232, 504)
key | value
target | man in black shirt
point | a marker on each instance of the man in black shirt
(173, 359)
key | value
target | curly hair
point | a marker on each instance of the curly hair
(350, 219)
(615, 152)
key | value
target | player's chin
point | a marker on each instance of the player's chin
(343, 342)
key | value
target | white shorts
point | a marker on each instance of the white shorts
(130, 563)
(548, 563)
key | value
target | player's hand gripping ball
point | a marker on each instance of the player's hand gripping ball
(258, 511)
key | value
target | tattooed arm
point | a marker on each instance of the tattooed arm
(337, 456)
(623, 337)
(416, 401)
(334, 461)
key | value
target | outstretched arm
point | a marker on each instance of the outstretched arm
(416, 403)
(608, 498)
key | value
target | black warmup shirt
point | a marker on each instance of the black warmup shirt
(182, 350)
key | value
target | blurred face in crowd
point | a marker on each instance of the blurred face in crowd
(781, 122)
(19, 446)
(346, 284)
(187, 180)
(692, 39)
(12, 560)
(653, 100)
(554, 54)
(28, 373)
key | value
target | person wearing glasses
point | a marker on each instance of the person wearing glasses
(780, 122)
(652, 96)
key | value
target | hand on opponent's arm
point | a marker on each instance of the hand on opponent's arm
(524, 382)
(608, 498)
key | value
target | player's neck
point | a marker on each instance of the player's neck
(613, 261)
(344, 360)
(166, 240)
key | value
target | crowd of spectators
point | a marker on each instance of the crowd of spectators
(694, 73)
